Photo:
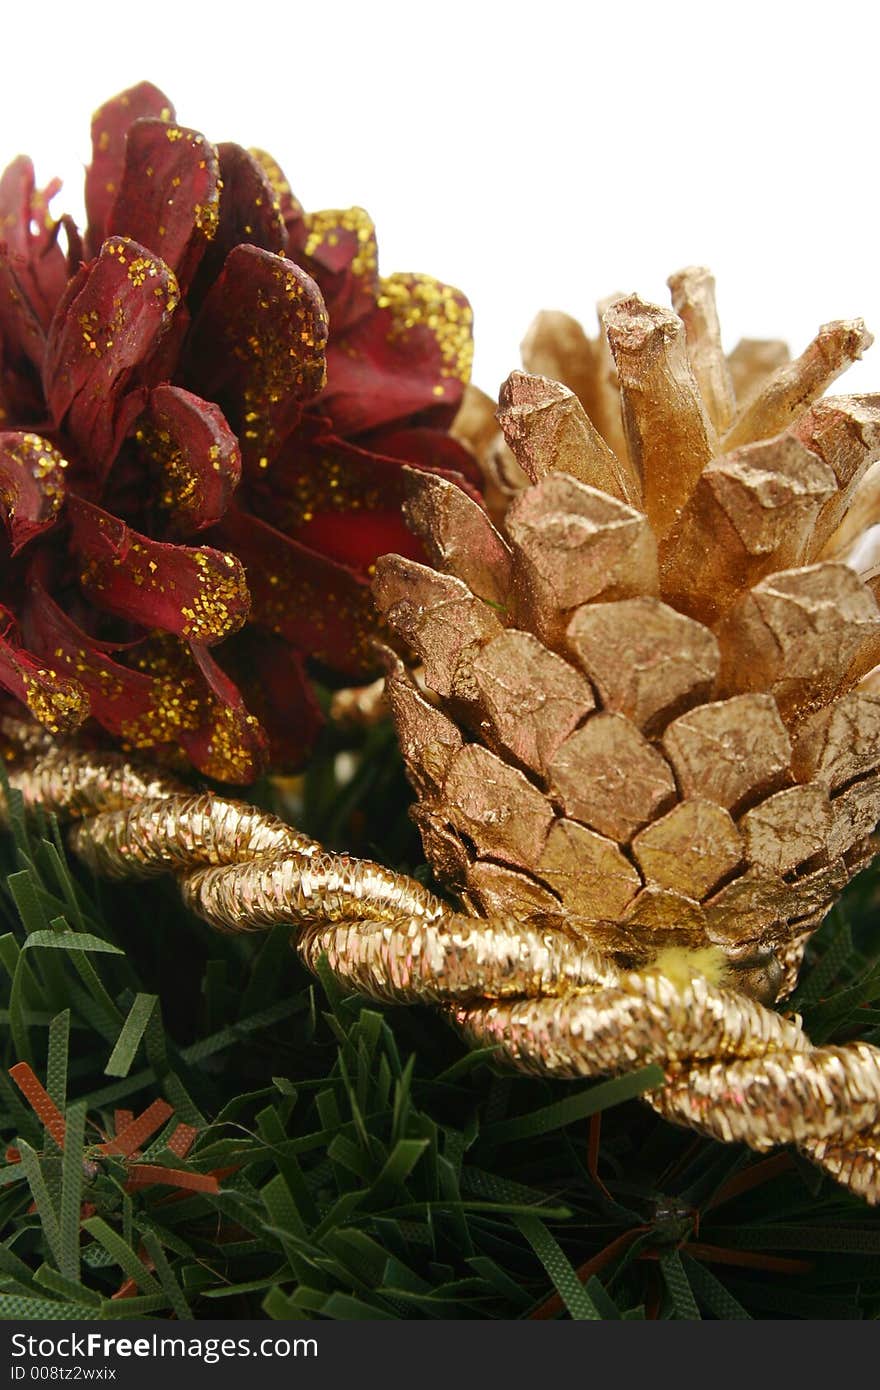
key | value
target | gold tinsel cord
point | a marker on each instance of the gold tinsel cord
(546, 998)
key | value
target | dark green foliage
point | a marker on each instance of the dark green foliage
(370, 1167)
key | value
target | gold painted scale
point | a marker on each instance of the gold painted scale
(644, 738)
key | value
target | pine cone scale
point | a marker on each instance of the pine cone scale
(670, 731)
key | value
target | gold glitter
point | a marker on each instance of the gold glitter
(180, 703)
(228, 757)
(220, 605)
(59, 704)
(335, 484)
(45, 465)
(418, 301)
(323, 228)
(207, 216)
(140, 269)
(181, 489)
(283, 195)
(278, 341)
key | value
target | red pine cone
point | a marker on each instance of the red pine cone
(203, 425)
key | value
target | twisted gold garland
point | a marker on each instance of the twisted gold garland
(548, 1000)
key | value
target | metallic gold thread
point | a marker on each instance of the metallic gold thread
(547, 999)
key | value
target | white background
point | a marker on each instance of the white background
(536, 155)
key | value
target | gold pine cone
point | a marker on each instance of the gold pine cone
(647, 700)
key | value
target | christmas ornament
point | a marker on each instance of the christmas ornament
(642, 735)
(203, 411)
(651, 705)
